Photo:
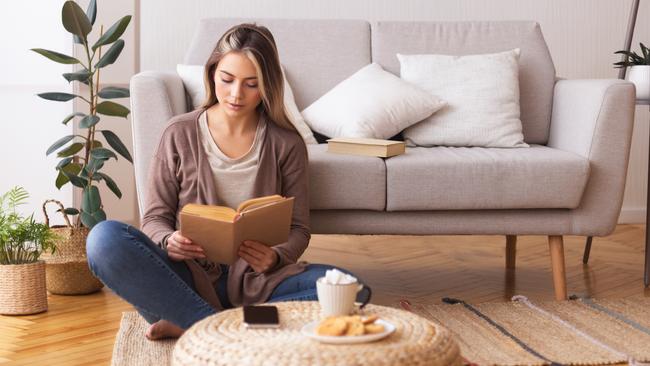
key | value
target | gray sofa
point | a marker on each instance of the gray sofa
(569, 182)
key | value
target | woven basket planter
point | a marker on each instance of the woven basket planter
(67, 269)
(22, 288)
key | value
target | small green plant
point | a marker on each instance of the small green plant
(22, 239)
(83, 155)
(632, 58)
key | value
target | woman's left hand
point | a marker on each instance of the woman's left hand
(259, 256)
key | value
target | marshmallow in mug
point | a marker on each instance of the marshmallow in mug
(336, 277)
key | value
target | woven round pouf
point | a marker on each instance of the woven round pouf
(222, 339)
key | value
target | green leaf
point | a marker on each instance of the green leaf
(71, 172)
(117, 144)
(56, 57)
(91, 12)
(64, 162)
(88, 121)
(71, 211)
(91, 201)
(95, 144)
(88, 220)
(58, 143)
(95, 164)
(75, 20)
(111, 55)
(57, 97)
(113, 33)
(99, 215)
(110, 183)
(646, 53)
(82, 75)
(85, 174)
(71, 150)
(61, 180)
(72, 169)
(102, 153)
(112, 109)
(73, 115)
(112, 92)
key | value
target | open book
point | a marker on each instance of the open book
(219, 230)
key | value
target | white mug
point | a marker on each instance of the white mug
(338, 299)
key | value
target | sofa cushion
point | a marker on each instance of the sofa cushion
(448, 178)
(536, 70)
(339, 181)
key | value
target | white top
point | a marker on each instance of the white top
(233, 177)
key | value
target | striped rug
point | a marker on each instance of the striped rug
(522, 332)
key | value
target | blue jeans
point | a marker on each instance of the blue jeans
(136, 269)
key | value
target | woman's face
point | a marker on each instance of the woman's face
(236, 85)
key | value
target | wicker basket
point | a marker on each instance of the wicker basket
(67, 269)
(22, 288)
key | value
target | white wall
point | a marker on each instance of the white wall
(29, 124)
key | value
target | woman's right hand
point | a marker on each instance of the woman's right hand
(181, 248)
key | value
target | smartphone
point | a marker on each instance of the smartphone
(261, 316)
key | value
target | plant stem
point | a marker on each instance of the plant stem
(92, 128)
(92, 105)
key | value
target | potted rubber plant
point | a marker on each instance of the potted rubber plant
(83, 154)
(22, 241)
(639, 72)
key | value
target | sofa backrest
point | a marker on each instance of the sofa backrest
(536, 70)
(316, 54)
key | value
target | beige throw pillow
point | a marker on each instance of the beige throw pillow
(482, 93)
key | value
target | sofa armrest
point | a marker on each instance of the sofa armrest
(594, 119)
(155, 98)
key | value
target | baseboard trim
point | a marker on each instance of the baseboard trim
(632, 216)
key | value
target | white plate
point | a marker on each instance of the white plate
(309, 330)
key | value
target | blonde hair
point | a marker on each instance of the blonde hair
(257, 43)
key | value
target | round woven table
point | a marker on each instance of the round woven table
(222, 339)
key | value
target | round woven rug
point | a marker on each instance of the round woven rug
(222, 339)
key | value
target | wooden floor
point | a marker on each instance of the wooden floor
(80, 330)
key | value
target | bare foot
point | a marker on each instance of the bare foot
(163, 329)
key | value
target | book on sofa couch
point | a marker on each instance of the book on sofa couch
(219, 230)
(364, 146)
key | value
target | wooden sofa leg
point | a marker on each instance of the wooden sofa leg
(511, 251)
(556, 246)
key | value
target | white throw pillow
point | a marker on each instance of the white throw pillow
(372, 103)
(482, 93)
(294, 114)
(192, 76)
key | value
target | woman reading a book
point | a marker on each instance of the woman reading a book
(239, 145)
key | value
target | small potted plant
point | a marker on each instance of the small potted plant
(639, 72)
(22, 241)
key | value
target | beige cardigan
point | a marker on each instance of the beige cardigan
(180, 174)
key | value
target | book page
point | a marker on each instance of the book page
(222, 213)
(259, 201)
